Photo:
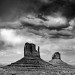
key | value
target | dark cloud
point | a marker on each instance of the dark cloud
(65, 6)
(13, 9)
(42, 26)
(46, 33)
(48, 16)
(1, 45)
(51, 22)
(4, 46)
(50, 8)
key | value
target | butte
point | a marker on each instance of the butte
(30, 61)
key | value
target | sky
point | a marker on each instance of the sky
(49, 24)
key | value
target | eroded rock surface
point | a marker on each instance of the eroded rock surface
(56, 55)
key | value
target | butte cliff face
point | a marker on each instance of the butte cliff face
(30, 50)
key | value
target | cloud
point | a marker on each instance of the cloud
(15, 9)
(9, 39)
(2, 45)
(45, 1)
(57, 21)
(9, 36)
(37, 26)
(10, 24)
(50, 45)
(72, 23)
(52, 21)
(46, 33)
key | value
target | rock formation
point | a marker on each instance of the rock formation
(30, 50)
(56, 55)
(56, 61)
(31, 59)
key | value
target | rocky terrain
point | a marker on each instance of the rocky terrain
(32, 64)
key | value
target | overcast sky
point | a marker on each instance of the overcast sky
(49, 24)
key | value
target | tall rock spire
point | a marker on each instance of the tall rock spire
(38, 51)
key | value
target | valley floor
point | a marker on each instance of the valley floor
(36, 72)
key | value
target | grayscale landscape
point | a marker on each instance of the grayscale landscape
(37, 37)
